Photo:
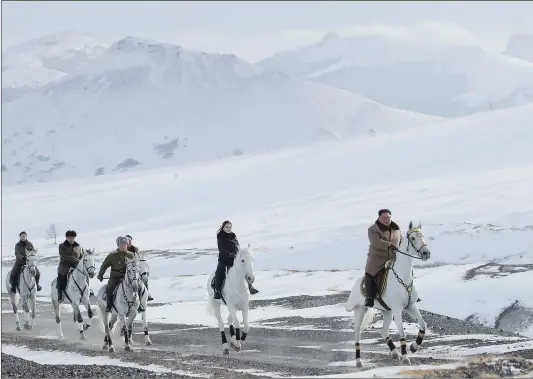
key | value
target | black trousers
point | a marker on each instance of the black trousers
(111, 285)
(371, 285)
(61, 285)
(15, 275)
(220, 274)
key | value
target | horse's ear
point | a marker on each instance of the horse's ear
(249, 246)
(420, 225)
(410, 225)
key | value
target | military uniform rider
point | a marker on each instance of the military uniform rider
(117, 261)
(20, 260)
(70, 254)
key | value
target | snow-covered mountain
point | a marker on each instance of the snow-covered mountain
(39, 61)
(149, 104)
(431, 78)
(520, 46)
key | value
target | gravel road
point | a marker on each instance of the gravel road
(285, 346)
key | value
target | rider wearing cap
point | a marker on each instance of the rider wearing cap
(117, 261)
(384, 236)
(135, 251)
(20, 260)
(70, 254)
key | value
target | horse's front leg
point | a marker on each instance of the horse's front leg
(125, 328)
(14, 299)
(130, 320)
(387, 319)
(236, 339)
(414, 312)
(78, 318)
(33, 307)
(87, 305)
(403, 343)
(26, 307)
(245, 321)
(147, 340)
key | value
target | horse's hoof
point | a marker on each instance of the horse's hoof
(148, 343)
(358, 363)
(111, 349)
(86, 326)
(225, 351)
(235, 347)
(413, 347)
(405, 360)
(18, 328)
(82, 337)
(395, 354)
(128, 348)
(27, 326)
(104, 347)
(30, 327)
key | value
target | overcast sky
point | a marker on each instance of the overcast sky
(255, 30)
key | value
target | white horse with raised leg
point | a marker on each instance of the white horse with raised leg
(125, 307)
(400, 293)
(76, 292)
(236, 296)
(144, 273)
(26, 291)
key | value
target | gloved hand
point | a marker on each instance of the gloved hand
(100, 278)
(251, 279)
(77, 249)
(389, 264)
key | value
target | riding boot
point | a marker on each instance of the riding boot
(60, 287)
(14, 283)
(37, 279)
(219, 278)
(150, 298)
(109, 305)
(371, 290)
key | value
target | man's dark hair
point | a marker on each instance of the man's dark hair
(381, 211)
(71, 233)
(130, 237)
(23, 232)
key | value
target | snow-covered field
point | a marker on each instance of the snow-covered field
(306, 212)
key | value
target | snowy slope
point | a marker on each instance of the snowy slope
(40, 61)
(146, 104)
(520, 46)
(468, 180)
(431, 78)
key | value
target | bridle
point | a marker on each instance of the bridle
(29, 267)
(130, 281)
(410, 243)
(86, 275)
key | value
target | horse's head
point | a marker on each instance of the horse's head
(132, 275)
(31, 261)
(89, 262)
(415, 240)
(244, 258)
(144, 270)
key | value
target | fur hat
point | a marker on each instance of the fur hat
(122, 240)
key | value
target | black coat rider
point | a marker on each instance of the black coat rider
(20, 260)
(228, 247)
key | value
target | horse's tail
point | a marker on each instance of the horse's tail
(352, 299)
(369, 318)
(117, 326)
(100, 315)
(210, 307)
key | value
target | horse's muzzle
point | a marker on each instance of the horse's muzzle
(426, 255)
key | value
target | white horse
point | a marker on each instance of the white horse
(125, 307)
(400, 293)
(235, 295)
(26, 291)
(76, 292)
(144, 273)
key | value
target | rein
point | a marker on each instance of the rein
(134, 296)
(85, 274)
(409, 243)
(24, 277)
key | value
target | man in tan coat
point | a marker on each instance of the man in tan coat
(384, 236)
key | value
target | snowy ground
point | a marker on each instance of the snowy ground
(306, 212)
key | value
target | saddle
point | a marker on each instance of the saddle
(381, 281)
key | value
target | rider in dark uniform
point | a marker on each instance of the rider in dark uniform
(20, 260)
(228, 246)
(117, 261)
(69, 256)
